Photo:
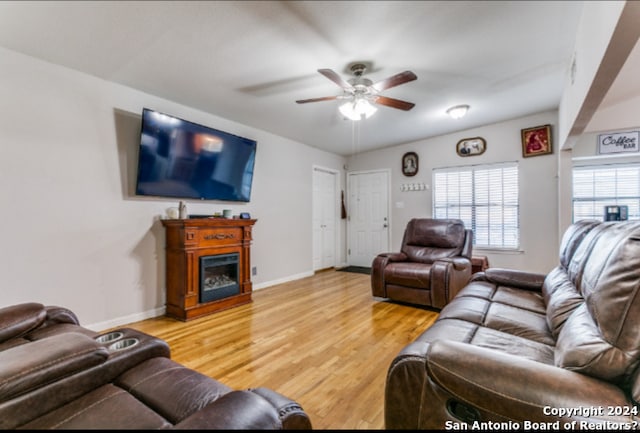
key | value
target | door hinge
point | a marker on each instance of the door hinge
(349, 251)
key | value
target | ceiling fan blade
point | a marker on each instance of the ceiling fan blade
(336, 78)
(326, 98)
(394, 103)
(396, 80)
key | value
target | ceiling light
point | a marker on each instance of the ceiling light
(458, 111)
(357, 108)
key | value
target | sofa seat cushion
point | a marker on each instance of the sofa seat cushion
(499, 309)
(107, 407)
(171, 389)
(463, 331)
(408, 274)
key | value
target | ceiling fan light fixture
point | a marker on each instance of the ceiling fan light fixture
(357, 109)
(458, 111)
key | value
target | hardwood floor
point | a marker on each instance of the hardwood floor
(322, 341)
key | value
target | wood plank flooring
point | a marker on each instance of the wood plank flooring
(322, 341)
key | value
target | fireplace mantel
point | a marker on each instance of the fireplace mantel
(189, 240)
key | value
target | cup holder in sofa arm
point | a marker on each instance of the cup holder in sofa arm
(30, 366)
(110, 337)
(124, 344)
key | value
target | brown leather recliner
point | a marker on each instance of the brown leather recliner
(434, 263)
(56, 374)
(521, 350)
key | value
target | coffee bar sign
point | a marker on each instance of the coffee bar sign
(618, 142)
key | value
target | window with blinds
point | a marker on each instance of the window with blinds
(485, 197)
(595, 187)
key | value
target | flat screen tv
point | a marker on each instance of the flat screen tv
(182, 159)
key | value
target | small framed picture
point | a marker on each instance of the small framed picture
(536, 141)
(471, 146)
(410, 164)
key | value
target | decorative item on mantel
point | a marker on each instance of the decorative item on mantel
(173, 213)
(183, 210)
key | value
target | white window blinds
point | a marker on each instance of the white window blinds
(485, 197)
(597, 186)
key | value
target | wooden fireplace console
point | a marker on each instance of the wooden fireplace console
(187, 241)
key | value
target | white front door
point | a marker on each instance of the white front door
(325, 205)
(368, 216)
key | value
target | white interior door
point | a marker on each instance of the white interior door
(325, 206)
(368, 216)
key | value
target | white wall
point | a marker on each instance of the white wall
(73, 232)
(597, 24)
(538, 186)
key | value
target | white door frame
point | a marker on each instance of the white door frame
(348, 182)
(336, 218)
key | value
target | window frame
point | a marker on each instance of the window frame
(471, 221)
(617, 199)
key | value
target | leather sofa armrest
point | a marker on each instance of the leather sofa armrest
(459, 263)
(237, 410)
(39, 363)
(393, 257)
(17, 320)
(515, 388)
(377, 271)
(448, 276)
(513, 278)
(292, 416)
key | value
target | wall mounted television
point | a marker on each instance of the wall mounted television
(182, 159)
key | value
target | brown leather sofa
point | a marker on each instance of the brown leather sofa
(517, 350)
(56, 374)
(433, 264)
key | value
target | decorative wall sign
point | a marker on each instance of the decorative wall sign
(410, 164)
(536, 141)
(618, 142)
(471, 146)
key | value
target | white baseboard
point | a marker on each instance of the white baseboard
(109, 324)
(282, 280)
(126, 319)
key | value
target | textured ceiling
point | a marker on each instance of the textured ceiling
(250, 61)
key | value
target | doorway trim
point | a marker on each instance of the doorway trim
(336, 219)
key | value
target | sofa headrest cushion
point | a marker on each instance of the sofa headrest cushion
(437, 233)
(17, 320)
(572, 238)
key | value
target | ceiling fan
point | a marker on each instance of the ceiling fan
(361, 92)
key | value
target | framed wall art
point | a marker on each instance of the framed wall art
(410, 164)
(471, 146)
(536, 141)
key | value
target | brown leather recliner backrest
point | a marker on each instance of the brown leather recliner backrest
(572, 238)
(427, 240)
(601, 336)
